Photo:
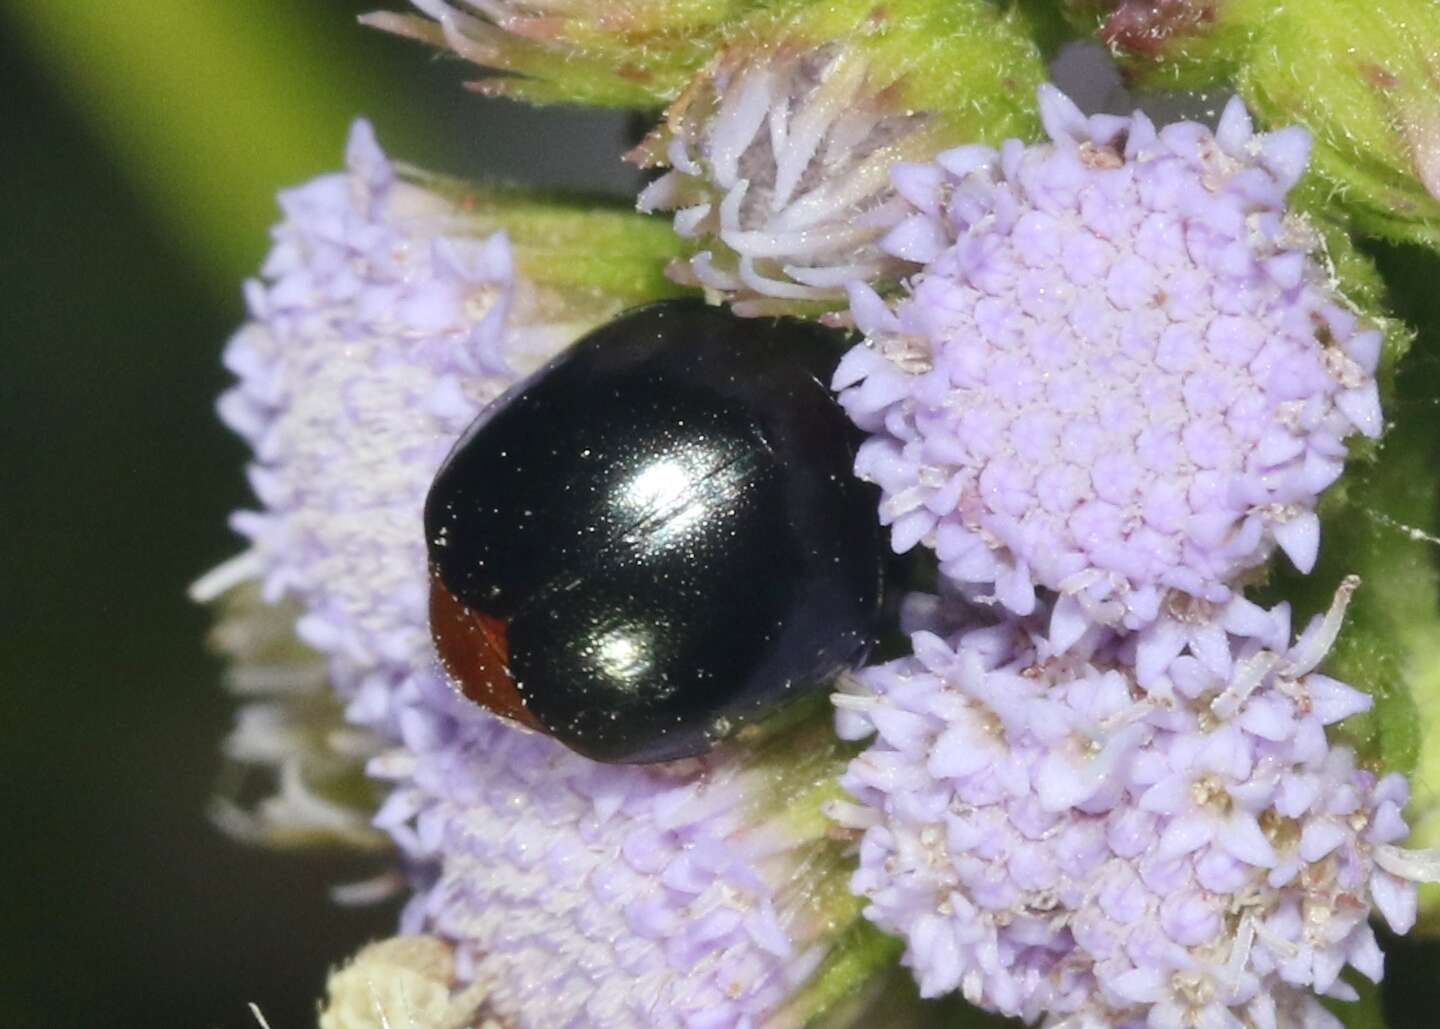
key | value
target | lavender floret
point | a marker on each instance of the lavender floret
(778, 170)
(1051, 840)
(589, 894)
(1123, 373)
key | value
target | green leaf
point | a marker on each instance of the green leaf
(843, 982)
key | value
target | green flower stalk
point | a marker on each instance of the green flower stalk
(1363, 76)
(779, 152)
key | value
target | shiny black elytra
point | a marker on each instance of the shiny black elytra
(657, 536)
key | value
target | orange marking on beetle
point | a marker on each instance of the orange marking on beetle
(474, 650)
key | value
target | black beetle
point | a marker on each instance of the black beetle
(657, 536)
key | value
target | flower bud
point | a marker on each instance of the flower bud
(779, 151)
(1365, 79)
(404, 981)
(1181, 33)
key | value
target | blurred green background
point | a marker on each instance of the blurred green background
(140, 147)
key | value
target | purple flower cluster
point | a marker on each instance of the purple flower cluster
(1120, 374)
(582, 894)
(589, 894)
(1118, 382)
(1050, 838)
